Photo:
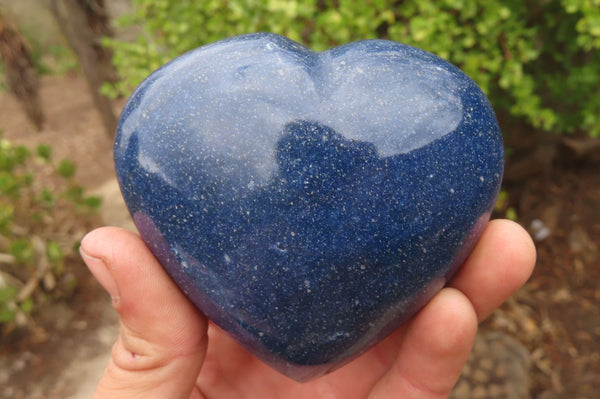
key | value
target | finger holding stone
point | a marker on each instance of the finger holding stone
(434, 349)
(161, 332)
(499, 265)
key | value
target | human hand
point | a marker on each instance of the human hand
(168, 349)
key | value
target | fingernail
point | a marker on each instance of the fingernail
(102, 274)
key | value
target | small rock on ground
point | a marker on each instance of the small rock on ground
(498, 368)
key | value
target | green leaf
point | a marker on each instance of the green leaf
(22, 250)
(74, 193)
(7, 294)
(44, 151)
(9, 184)
(27, 306)
(21, 154)
(47, 198)
(6, 315)
(66, 169)
(92, 202)
(511, 214)
(53, 252)
(6, 217)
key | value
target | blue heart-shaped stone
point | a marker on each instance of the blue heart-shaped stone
(309, 203)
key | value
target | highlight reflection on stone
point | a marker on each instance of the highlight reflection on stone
(309, 203)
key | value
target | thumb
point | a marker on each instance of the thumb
(162, 339)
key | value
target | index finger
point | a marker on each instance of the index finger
(499, 265)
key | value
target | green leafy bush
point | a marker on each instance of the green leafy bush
(43, 212)
(537, 60)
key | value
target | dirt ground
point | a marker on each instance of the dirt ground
(556, 316)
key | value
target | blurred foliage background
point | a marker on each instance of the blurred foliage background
(43, 213)
(537, 60)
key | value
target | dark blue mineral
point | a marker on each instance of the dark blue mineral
(309, 203)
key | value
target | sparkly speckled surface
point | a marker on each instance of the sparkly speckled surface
(309, 203)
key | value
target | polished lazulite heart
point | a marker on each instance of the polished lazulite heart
(309, 203)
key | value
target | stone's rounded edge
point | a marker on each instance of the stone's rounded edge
(129, 175)
(218, 314)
